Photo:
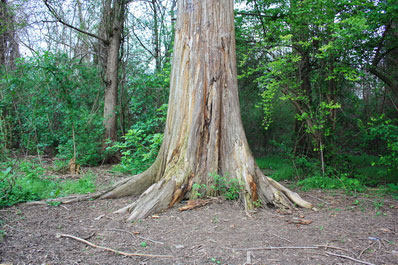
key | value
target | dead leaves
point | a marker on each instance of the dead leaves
(191, 204)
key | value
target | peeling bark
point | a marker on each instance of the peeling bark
(204, 132)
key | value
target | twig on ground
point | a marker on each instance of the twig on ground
(134, 235)
(333, 247)
(275, 235)
(113, 250)
(371, 245)
(348, 257)
(268, 248)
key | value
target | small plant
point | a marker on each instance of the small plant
(258, 203)
(2, 235)
(198, 190)
(216, 261)
(143, 244)
(229, 189)
(378, 204)
(215, 220)
(54, 203)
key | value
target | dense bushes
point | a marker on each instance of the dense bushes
(51, 104)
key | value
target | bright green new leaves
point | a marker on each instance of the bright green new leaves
(307, 53)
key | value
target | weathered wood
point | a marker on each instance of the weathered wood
(204, 132)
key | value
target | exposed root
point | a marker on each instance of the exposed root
(131, 186)
(272, 192)
(293, 196)
(155, 199)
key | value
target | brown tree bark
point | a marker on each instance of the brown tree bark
(204, 132)
(112, 65)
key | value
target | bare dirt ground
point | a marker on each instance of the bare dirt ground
(364, 227)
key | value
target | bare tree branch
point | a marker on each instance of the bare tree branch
(59, 19)
(142, 44)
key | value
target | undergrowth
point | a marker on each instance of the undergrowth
(228, 188)
(28, 181)
(352, 173)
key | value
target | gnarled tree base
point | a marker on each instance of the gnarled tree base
(164, 194)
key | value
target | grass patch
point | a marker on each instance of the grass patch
(343, 182)
(28, 182)
(276, 167)
(365, 169)
(391, 189)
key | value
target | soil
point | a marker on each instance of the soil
(363, 227)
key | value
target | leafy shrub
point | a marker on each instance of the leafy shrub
(228, 188)
(387, 131)
(141, 144)
(48, 99)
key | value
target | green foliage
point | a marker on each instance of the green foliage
(141, 143)
(229, 188)
(342, 182)
(3, 141)
(387, 131)
(277, 167)
(391, 188)
(198, 190)
(314, 54)
(28, 182)
(46, 100)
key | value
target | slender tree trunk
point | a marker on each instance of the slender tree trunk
(204, 132)
(155, 36)
(9, 49)
(111, 70)
(82, 48)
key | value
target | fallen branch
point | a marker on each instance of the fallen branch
(287, 247)
(371, 245)
(348, 257)
(113, 250)
(268, 248)
(333, 247)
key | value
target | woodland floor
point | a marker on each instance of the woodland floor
(364, 227)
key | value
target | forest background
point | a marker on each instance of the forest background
(318, 84)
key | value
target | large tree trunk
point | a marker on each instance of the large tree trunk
(204, 132)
